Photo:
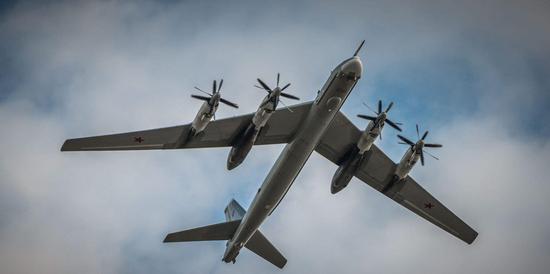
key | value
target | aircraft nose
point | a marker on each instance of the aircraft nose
(353, 65)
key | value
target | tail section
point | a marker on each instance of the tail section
(259, 244)
(234, 212)
(221, 231)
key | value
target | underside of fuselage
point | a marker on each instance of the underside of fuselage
(297, 151)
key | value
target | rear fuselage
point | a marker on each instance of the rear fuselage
(295, 154)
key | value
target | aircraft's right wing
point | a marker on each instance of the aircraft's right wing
(219, 133)
(377, 171)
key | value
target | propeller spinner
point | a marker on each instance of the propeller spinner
(419, 146)
(381, 117)
(276, 92)
(215, 96)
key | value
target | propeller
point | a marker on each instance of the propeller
(215, 95)
(381, 116)
(276, 92)
(420, 144)
(359, 48)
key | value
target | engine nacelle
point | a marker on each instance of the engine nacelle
(203, 117)
(242, 146)
(346, 171)
(368, 137)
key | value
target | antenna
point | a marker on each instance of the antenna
(359, 48)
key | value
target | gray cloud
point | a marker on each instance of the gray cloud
(474, 73)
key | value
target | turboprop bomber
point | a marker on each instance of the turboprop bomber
(318, 126)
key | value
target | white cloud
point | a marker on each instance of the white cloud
(92, 68)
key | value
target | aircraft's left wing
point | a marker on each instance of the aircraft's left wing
(377, 171)
(219, 133)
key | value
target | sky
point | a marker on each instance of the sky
(474, 73)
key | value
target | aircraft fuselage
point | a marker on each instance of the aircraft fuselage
(295, 154)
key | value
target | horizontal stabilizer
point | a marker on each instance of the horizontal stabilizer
(221, 231)
(263, 248)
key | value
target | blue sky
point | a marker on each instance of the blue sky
(474, 74)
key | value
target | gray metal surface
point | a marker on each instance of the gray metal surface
(377, 171)
(220, 133)
(215, 232)
(296, 152)
(259, 244)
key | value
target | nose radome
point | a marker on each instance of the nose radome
(353, 65)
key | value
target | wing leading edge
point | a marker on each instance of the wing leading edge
(377, 171)
(220, 133)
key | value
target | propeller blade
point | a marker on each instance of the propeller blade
(221, 83)
(365, 104)
(380, 135)
(422, 157)
(433, 145)
(431, 155)
(402, 143)
(200, 97)
(285, 106)
(256, 86)
(366, 117)
(425, 135)
(203, 91)
(389, 107)
(266, 87)
(287, 85)
(359, 48)
(392, 124)
(229, 103)
(379, 107)
(278, 77)
(289, 96)
(214, 87)
(417, 132)
(409, 142)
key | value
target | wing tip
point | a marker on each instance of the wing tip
(471, 239)
(282, 264)
(167, 239)
(66, 146)
(70, 145)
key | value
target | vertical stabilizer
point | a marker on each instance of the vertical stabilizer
(234, 211)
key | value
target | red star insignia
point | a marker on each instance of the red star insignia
(138, 139)
(428, 205)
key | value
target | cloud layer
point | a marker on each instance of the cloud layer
(475, 74)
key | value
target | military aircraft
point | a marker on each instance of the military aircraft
(313, 126)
